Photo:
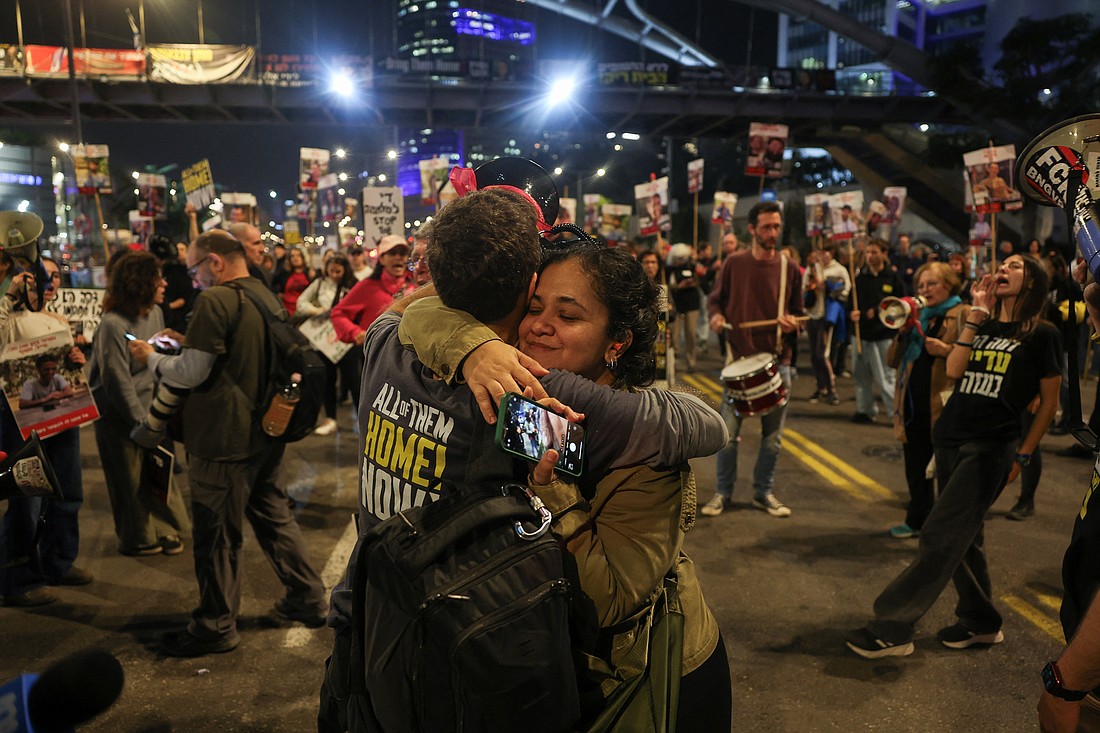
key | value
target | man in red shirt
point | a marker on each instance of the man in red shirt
(748, 290)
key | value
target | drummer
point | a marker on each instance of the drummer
(758, 284)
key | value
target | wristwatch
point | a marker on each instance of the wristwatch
(1052, 681)
(1022, 459)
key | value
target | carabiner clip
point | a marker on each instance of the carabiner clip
(539, 508)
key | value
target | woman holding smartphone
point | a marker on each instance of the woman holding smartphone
(123, 389)
(594, 313)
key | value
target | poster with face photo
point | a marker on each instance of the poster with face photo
(433, 174)
(152, 196)
(592, 212)
(91, 168)
(990, 171)
(894, 199)
(767, 144)
(695, 175)
(140, 226)
(724, 204)
(651, 207)
(846, 210)
(312, 164)
(239, 207)
(329, 201)
(614, 222)
(818, 221)
(45, 388)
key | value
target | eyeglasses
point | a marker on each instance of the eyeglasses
(194, 269)
(414, 264)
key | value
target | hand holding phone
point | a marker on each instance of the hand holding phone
(527, 429)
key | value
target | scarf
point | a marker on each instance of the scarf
(916, 336)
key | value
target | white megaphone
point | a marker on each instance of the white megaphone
(27, 472)
(1050, 164)
(896, 312)
(19, 233)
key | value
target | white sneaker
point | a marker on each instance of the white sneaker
(715, 506)
(772, 506)
(327, 427)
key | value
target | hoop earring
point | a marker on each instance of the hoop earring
(613, 364)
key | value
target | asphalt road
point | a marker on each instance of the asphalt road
(783, 591)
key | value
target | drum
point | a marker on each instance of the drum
(753, 385)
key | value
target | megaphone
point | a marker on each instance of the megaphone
(898, 312)
(27, 472)
(19, 233)
(1050, 165)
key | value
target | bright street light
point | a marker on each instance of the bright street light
(600, 171)
(135, 174)
(341, 153)
(342, 84)
(382, 177)
(273, 194)
(63, 147)
(392, 155)
(343, 176)
(557, 171)
(631, 136)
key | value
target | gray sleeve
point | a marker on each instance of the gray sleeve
(650, 427)
(113, 361)
(187, 370)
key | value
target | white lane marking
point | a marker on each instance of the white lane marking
(299, 636)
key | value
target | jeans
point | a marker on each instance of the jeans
(951, 546)
(869, 370)
(771, 440)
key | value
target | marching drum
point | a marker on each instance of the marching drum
(753, 385)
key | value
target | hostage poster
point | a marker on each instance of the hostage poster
(42, 379)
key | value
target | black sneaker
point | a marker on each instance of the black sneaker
(286, 612)
(832, 399)
(1023, 510)
(185, 644)
(816, 396)
(960, 637)
(862, 418)
(867, 645)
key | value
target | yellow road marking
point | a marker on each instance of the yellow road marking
(1049, 600)
(860, 478)
(1035, 616)
(827, 473)
(841, 475)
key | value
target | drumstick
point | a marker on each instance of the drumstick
(782, 298)
(855, 296)
(768, 322)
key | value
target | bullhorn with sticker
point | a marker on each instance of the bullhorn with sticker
(1059, 168)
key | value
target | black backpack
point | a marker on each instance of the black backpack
(289, 352)
(460, 618)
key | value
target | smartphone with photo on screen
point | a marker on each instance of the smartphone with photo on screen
(527, 429)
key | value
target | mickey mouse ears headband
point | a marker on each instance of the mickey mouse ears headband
(521, 175)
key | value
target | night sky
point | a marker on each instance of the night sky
(259, 158)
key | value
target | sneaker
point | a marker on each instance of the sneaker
(816, 396)
(904, 532)
(30, 599)
(867, 645)
(286, 611)
(832, 399)
(1023, 510)
(327, 427)
(185, 644)
(960, 637)
(142, 551)
(772, 506)
(862, 418)
(715, 506)
(75, 576)
(846, 374)
(171, 545)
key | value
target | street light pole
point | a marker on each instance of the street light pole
(72, 70)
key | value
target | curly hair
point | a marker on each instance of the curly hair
(132, 284)
(483, 252)
(631, 300)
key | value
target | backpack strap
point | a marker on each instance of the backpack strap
(268, 318)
